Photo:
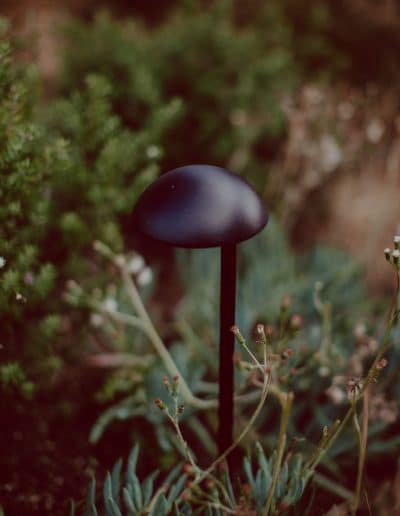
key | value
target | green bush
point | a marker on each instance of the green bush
(69, 170)
(316, 337)
(231, 80)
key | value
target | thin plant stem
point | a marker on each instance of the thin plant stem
(149, 329)
(362, 439)
(120, 317)
(236, 442)
(184, 443)
(371, 375)
(286, 406)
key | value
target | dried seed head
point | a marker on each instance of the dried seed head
(296, 322)
(381, 364)
(287, 353)
(160, 404)
(269, 331)
(260, 329)
(354, 387)
(188, 468)
(235, 330)
(286, 302)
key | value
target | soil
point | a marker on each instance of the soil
(45, 454)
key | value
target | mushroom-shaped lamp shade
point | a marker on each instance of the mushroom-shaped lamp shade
(200, 206)
(205, 206)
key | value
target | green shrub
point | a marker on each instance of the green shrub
(319, 352)
(231, 80)
(69, 170)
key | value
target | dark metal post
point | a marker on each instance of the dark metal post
(226, 345)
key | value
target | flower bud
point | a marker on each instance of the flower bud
(235, 330)
(286, 303)
(160, 404)
(296, 322)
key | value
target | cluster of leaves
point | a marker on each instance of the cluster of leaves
(24, 179)
(72, 168)
(231, 80)
(69, 170)
(137, 497)
(310, 353)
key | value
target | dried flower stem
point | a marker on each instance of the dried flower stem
(148, 327)
(371, 375)
(362, 434)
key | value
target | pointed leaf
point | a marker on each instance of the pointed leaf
(160, 507)
(176, 489)
(112, 508)
(91, 499)
(130, 505)
(107, 488)
(262, 461)
(229, 488)
(249, 472)
(115, 479)
(172, 475)
(147, 487)
(133, 456)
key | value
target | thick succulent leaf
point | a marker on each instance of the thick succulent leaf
(160, 507)
(116, 479)
(148, 487)
(91, 499)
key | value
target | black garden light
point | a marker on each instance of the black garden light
(199, 206)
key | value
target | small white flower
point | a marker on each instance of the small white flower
(336, 394)
(331, 154)
(2, 262)
(346, 110)
(375, 130)
(145, 277)
(238, 117)
(396, 241)
(396, 255)
(153, 151)
(324, 371)
(120, 260)
(135, 264)
(96, 320)
(359, 330)
(109, 304)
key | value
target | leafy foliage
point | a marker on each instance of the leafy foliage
(68, 171)
(230, 80)
(141, 497)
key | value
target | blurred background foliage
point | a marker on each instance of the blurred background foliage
(96, 100)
